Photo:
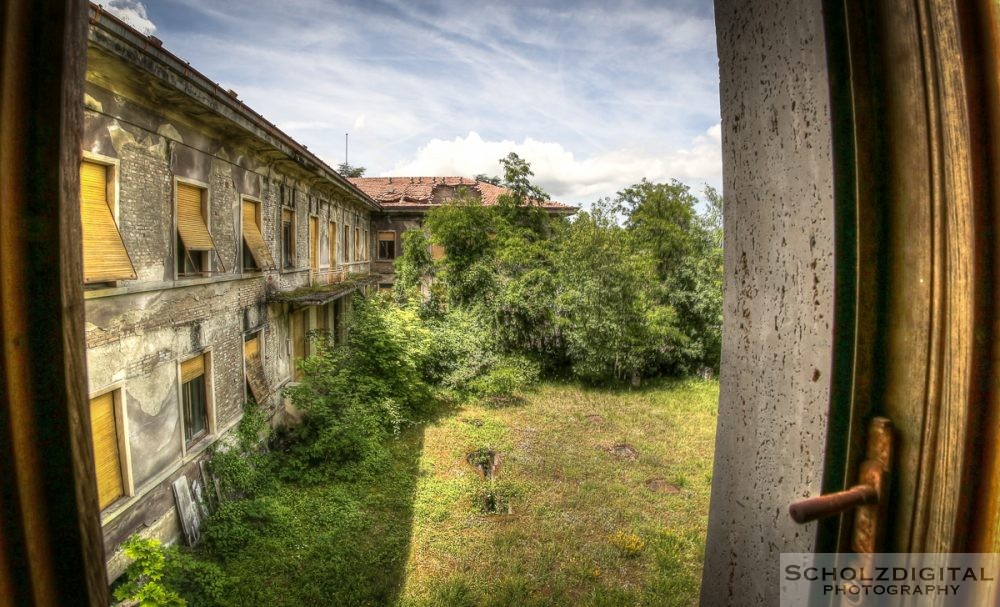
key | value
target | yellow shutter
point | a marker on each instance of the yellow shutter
(253, 237)
(107, 460)
(104, 255)
(347, 244)
(255, 369)
(437, 252)
(314, 243)
(192, 368)
(357, 244)
(387, 237)
(191, 219)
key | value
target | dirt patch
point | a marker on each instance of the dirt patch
(596, 419)
(624, 451)
(659, 485)
(485, 461)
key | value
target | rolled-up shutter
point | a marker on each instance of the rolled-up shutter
(107, 458)
(253, 237)
(191, 219)
(105, 258)
(192, 368)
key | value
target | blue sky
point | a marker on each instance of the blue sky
(596, 95)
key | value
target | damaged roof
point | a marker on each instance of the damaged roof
(425, 192)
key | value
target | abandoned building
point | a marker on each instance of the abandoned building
(405, 202)
(212, 244)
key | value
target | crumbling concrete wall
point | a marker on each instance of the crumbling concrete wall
(777, 343)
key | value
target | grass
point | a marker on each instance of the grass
(578, 524)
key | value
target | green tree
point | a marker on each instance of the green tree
(350, 171)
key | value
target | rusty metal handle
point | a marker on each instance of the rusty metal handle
(831, 504)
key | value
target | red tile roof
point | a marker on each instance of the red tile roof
(418, 192)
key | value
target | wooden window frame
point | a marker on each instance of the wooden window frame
(245, 248)
(257, 334)
(180, 250)
(347, 243)
(210, 419)
(117, 390)
(378, 251)
(357, 244)
(332, 228)
(113, 176)
(314, 246)
(292, 249)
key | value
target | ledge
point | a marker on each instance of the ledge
(318, 295)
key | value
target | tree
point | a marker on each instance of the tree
(487, 179)
(350, 171)
(687, 248)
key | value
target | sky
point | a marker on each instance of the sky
(596, 95)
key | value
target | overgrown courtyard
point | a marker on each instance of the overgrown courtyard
(601, 499)
(500, 429)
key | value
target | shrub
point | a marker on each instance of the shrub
(144, 576)
(238, 522)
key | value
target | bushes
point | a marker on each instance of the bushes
(168, 577)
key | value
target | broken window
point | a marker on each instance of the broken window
(256, 255)
(104, 427)
(105, 258)
(194, 241)
(287, 238)
(194, 398)
(387, 245)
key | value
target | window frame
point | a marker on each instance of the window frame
(113, 194)
(245, 248)
(332, 229)
(188, 446)
(257, 334)
(291, 263)
(117, 390)
(378, 251)
(180, 251)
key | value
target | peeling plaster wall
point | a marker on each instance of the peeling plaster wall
(139, 331)
(778, 293)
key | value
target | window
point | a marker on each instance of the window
(194, 241)
(333, 243)
(194, 399)
(287, 238)
(387, 245)
(253, 361)
(314, 243)
(256, 256)
(357, 244)
(347, 245)
(366, 245)
(105, 258)
(105, 428)
(298, 341)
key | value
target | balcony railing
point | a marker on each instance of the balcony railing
(332, 276)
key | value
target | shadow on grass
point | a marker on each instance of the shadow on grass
(341, 542)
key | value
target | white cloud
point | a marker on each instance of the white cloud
(133, 13)
(359, 122)
(561, 174)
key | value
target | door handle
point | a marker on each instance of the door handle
(870, 495)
